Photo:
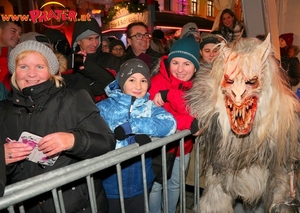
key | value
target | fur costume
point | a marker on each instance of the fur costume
(251, 130)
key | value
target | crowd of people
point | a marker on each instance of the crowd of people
(44, 80)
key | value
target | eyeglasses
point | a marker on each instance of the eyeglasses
(118, 49)
(139, 36)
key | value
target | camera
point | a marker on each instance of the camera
(77, 61)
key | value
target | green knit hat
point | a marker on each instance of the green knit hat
(186, 48)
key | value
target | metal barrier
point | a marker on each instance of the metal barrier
(31, 187)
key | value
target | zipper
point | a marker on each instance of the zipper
(131, 106)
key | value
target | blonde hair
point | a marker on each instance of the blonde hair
(57, 78)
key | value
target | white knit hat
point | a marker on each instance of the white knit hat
(35, 46)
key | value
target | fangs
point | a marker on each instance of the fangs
(241, 116)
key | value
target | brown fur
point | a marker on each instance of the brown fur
(62, 62)
(257, 165)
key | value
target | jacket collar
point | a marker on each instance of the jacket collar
(113, 91)
(176, 83)
(30, 96)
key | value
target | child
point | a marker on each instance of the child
(167, 89)
(133, 118)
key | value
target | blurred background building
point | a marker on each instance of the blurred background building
(259, 16)
(115, 15)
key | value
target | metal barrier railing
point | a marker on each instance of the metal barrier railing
(31, 187)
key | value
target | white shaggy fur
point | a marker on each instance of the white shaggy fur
(257, 165)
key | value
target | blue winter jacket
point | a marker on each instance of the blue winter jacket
(144, 118)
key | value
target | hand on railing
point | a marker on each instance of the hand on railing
(141, 139)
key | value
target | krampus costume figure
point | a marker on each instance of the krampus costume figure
(251, 130)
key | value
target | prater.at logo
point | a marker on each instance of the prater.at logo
(43, 16)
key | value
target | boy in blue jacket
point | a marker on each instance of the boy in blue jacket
(134, 119)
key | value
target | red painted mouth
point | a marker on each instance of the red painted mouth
(241, 116)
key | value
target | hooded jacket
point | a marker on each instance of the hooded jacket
(175, 103)
(83, 29)
(99, 67)
(144, 118)
(44, 109)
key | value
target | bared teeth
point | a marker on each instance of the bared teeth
(243, 113)
(240, 114)
(246, 125)
(229, 104)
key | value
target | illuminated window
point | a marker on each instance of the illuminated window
(182, 4)
(167, 5)
(210, 8)
(194, 7)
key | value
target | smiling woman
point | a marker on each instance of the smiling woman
(229, 26)
(175, 77)
(31, 69)
(46, 108)
(32, 63)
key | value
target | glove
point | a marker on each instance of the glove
(164, 94)
(142, 139)
(122, 130)
(194, 126)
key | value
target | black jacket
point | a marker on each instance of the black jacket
(96, 75)
(43, 109)
(292, 69)
(2, 173)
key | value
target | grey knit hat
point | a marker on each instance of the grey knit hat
(130, 67)
(35, 46)
(83, 35)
